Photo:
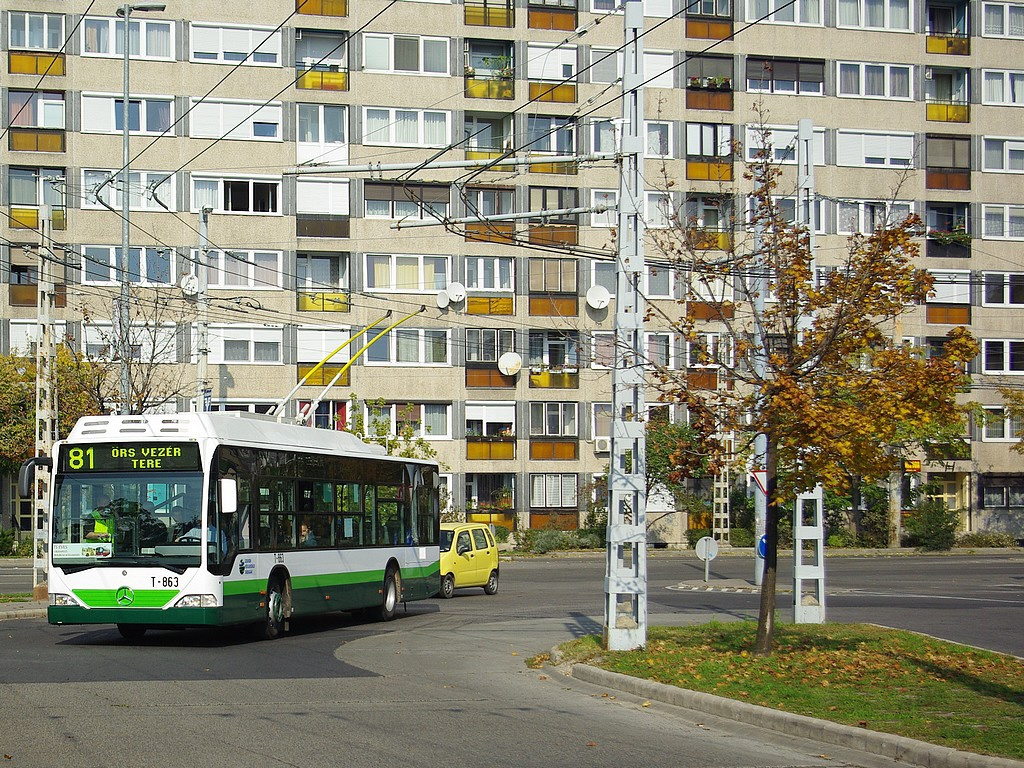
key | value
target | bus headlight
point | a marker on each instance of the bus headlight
(197, 601)
(58, 598)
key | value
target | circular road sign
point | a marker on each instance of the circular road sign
(762, 546)
(707, 548)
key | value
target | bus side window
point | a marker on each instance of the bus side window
(266, 538)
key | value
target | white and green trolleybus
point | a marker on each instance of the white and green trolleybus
(216, 519)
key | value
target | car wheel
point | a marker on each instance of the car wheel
(389, 603)
(131, 631)
(491, 587)
(279, 598)
(448, 586)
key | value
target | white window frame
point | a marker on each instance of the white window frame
(500, 268)
(801, 10)
(480, 340)
(1007, 79)
(550, 139)
(783, 142)
(710, 288)
(610, 217)
(550, 63)
(53, 39)
(423, 284)
(708, 140)
(262, 42)
(147, 343)
(321, 151)
(491, 414)
(722, 351)
(421, 40)
(1005, 9)
(1012, 428)
(26, 332)
(659, 282)
(137, 40)
(391, 140)
(660, 338)
(658, 210)
(110, 256)
(417, 208)
(670, 135)
(568, 340)
(220, 335)
(866, 207)
(659, 67)
(306, 281)
(1007, 345)
(423, 336)
(1009, 283)
(145, 188)
(221, 181)
(874, 149)
(658, 9)
(599, 342)
(565, 413)
(314, 343)
(783, 203)
(950, 286)
(322, 196)
(102, 111)
(235, 119)
(1008, 229)
(1008, 144)
(554, 490)
(251, 268)
(886, 24)
(862, 70)
(48, 109)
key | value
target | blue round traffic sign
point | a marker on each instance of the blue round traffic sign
(762, 546)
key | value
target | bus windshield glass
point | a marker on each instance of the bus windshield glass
(128, 518)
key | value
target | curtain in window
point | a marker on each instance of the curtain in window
(657, 140)
(993, 19)
(786, 11)
(22, 108)
(874, 13)
(266, 351)
(435, 347)
(205, 194)
(758, 9)
(158, 40)
(899, 82)
(993, 158)
(266, 272)
(407, 272)
(97, 36)
(407, 346)
(236, 269)
(406, 127)
(435, 418)
(899, 14)
(378, 271)
(1016, 88)
(376, 52)
(604, 136)
(377, 125)
(407, 54)
(236, 351)
(435, 128)
(435, 56)
(874, 80)
(810, 11)
(849, 217)
(1016, 223)
(992, 87)
(993, 218)
(849, 79)
(158, 115)
(604, 65)
(849, 13)
(435, 273)
(1016, 21)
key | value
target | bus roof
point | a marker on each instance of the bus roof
(231, 426)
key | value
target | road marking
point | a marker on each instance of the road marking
(936, 597)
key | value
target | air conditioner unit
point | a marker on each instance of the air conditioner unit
(602, 445)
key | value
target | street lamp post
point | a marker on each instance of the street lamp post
(124, 300)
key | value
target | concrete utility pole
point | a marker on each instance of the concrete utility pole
(203, 391)
(625, 615)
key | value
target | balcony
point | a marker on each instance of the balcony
(553, 234)
(321, 225)
(947, 178)
(554, 449)
(22, 295)
(482, 87)
(321, 77)
(324, 376)
(35, 140)
(491, 514)
(702, 240)
(322, 301)
(23, 217)
(488, 377)
(490, 13)
(557, 378)
(322, 7)
(709, 93)
(948, 112)
(558, 519)
(491, 232)
(563, 19)
(948, 314)
(709, 170)
(559, 168)
(703, 310)
(490, 448)
(708, 27)
(562, 93)
(948, 44)
(702, 378)
(942, 248)
(25, 63)
(490, 305)
(546, 305)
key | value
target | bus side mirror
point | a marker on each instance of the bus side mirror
(27, 475)
(228, 495)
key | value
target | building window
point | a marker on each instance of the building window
(426, 420)
(1003, 20)
(322, 197)
(1003, 155)
(1002, 87)
(35, 109)
(36, 186)
(659, 350)
(146, 190)
(147, 39)
(999, 427)
(785, 11)
(792, 76)
(147, 115)
(602, 349)
(321, 271)
(405, 54)
(486, 201)
(251, 46)
(243, 268)
(892, 15)
(405, 201)
(36, 31)
(709, 350)
(406, 273)
(410, 346)
(146, 266)
(487, 133)
(1002, 356)
(322, 133)
(254, 121)
(553, 199)
(702, 71)
(550, 134)
(602, 420)
(1003, 289)
(314, 345)
(553, 275)
(391, 126)
(487, 345)
(782, 140)
(659, 282)
(147, 344)
(1003, 222)
(490, 419)
(225, 195)
(949, 152)
(554, 420)
(874, 150)
(950, 287)
(609, 199)
(786, 208)
(606, 67)
(553, 490)
(554, 350)
(708, 140)
(489, 273)
(244, 344)
(1002, 491)
(330, 414)
(874, 81)
(866, 216)
(549, 62)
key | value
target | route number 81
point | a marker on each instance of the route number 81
(79, 458)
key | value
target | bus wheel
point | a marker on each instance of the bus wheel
(448, 586)
(491, 588)
(389, 604)
(279, 599)
(131, 631)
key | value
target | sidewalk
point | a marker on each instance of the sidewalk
(31, 609)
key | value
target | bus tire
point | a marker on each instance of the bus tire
(279, 600)
(132, 631)
(390, 595)
(491, 587)
(447, 586)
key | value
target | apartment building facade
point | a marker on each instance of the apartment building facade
(914, 104)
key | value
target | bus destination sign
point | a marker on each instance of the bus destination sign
(131, 457)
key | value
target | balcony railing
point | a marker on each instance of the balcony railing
(703, 310)
(709, 93)
(546, 305)
(563, 93)
(321, 77)
(22, 295)
(25, 63)
(563, 19)
(322, 7)
(322, 301)
(554, 449)
(553, 234)
(491, 232)
(324, 376)
(946, 250)
(948, 112)
(490, 448)
(949, 314)
(708, 27)
(481, 87)
(490, 13)
(949, 44)
(23, 217)
(321, 225)
(491, 515)
(489, 377)
(563, 378)
(947, 178)
(490, 305)
(710, 241)
(35, 140)
(709, 170)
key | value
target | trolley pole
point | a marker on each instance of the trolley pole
(46, 408)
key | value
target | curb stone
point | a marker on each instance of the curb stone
(899, 748)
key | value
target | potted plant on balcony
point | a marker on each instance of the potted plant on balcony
(694, 82)
(958, 235)
(503, 498)
(470, 71)
(722, 83)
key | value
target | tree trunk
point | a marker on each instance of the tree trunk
(856, 513)
(895, 509)
(766, 612)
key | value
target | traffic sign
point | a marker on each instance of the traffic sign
(707, 548)
(762, 547)
(761, 478)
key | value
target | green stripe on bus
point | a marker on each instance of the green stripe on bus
(320, 580)
(140, 598)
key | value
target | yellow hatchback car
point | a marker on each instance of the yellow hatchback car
(469, 558)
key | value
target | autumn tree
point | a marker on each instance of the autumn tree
(809, 360)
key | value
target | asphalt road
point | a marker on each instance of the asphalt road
(443, 685)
